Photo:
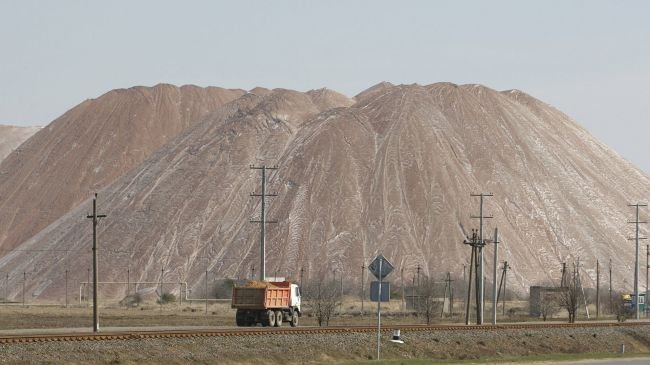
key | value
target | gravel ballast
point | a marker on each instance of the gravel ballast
(334, 347)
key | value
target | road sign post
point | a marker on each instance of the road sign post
(380, 268)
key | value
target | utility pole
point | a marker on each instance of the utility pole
(95, 217)
(494, 276)
(302, 271)
(401, 278)
(341, 294)
(206, 289)
(473, 243)
(24, 279)
(502, 282)
(636, 222)
(479, 273)
(475, 263)
(464, 283)
(66, 287)
(418, 271)
(584, 298)
(128, 285)
(162, 274)
(611, 308)
(563, 282)
(451, 296)
(363, 288)
(88, 288)
(263, 220)
(597, 289)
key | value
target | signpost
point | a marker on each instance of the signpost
(380, 268)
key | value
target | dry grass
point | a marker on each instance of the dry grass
(218, 314)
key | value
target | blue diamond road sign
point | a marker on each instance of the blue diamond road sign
(386, 267)
(385, 291)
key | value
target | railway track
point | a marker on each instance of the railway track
(136, 335)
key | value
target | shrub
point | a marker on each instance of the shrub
(167, 298)
(131, 300)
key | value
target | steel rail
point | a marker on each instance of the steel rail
(260, 331)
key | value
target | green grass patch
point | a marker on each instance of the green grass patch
(506, 359)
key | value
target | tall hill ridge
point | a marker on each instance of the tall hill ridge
(13, 136)
(89, 147)
(390, 171)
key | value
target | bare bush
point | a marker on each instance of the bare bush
(321, 298)
(549, 306)
(167, 298)
(428, 305)
(570, 295)
(132, 300)
(223, 288)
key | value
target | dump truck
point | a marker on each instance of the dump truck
(268, 303)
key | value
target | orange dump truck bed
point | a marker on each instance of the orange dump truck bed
(272, 295)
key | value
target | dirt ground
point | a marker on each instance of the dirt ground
(15, 316)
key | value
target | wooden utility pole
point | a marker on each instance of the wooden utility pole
(451, 297)
(464, 282)
(128, 284)
(494, 276)
(468, 301)
(24, 279)
(262, 221)
(66, 287)
(502, 283)
(206, 289)
(88, 288)
(611, 308)
(162, 274)
(302, 271)
(363, 290)
(95, 217)
(597, 289)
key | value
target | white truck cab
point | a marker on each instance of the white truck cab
(296, 298)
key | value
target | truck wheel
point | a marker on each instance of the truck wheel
(240, 318)
(294, 319)
(278, 318)
(270, 318)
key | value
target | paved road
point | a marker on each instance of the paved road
(645, 361)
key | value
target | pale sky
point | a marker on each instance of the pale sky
(590, 59)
